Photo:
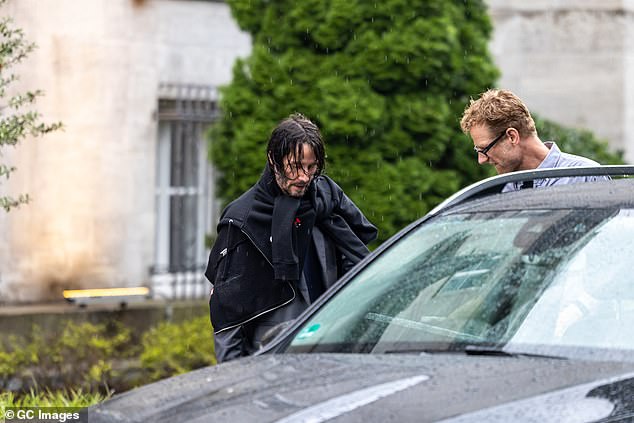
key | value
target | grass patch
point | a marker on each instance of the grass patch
(61, 398)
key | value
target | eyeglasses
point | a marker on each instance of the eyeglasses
(489, 146)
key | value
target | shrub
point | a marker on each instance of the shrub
(86, 363)
(385, 81)
(81, 357)
(170, 349)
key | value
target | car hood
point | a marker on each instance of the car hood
(394, 387)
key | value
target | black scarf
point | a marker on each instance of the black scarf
(288, 220)
(280, 226)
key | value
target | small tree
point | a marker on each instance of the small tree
(16, 120)
(386, 81)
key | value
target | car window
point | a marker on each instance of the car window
(590, 303)
(505, 279)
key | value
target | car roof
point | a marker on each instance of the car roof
(587, 195)
(594, 192)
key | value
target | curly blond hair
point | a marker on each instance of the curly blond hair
(498, 110)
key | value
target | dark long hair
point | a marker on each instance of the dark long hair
(287, 138)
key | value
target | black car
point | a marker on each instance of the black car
(509, 307)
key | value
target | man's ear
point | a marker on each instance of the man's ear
(514, 135)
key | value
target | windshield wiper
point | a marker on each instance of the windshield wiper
(471, 350)
(481, 350)
(419, 351)
(493, 351)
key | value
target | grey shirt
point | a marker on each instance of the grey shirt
(556, 158)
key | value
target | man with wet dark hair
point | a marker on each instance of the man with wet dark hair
(282, 243)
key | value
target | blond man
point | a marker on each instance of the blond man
(504, 136)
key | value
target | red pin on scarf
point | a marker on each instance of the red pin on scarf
(298, 222)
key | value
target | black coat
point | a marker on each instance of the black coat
(240, 263)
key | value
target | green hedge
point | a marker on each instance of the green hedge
(88, 361)
(81, 357)
(170, 348)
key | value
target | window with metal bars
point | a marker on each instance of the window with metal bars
(185, 204)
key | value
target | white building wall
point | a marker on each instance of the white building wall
(570, 61)
(100, 62)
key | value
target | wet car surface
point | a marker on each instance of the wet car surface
(494, 307)
(320, 387)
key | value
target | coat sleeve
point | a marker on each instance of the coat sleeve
(345, 224)
(355, 219)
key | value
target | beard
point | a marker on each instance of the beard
(292, 188)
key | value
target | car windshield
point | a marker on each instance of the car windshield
(552, 282)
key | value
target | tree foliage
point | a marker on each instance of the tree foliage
(386, 81)
(17, 120)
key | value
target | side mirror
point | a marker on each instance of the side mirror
(272, 333)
